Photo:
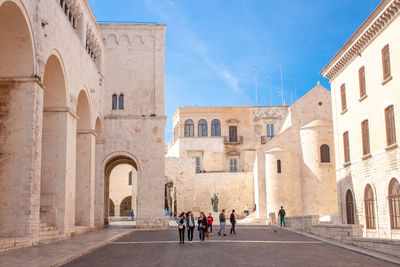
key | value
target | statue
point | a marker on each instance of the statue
(214, 203)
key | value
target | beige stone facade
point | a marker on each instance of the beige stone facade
(364, 76)
(240, 165)
(60, 134)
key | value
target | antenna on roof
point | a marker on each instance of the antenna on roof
(280, 67)
(255, 81)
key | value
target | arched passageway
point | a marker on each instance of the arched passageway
(85, 153)
(18, 103)
(112, 208)
(109, 167)
(54, 145)
(125, 206)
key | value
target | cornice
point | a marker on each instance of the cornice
(368, 31)
(133, 27)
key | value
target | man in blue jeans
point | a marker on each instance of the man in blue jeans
(222, 223)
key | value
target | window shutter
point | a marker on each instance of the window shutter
(343, 96)
(361, 78)
(386, 62)
(346, 147)
(390, 126)
(365, 137)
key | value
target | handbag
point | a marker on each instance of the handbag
(180, 226)
(208, 234)
(203, 227)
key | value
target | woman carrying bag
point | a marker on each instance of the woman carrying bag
(202, 226)
(181, 227)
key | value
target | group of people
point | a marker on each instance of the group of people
(204, 225)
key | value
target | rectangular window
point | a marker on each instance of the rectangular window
(270, 131)
(343, 96)
(198, 163)
(232, 133)
(346, 147)
(130, 178)
(365, 137)
(233, 165)
(361, 80)
(390, 126)
(278, 166)
(386, 62)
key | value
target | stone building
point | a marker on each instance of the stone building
(77, 99)
(261, 157)
(365, 76)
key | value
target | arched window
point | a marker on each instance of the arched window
(369, 203)
(215, 128)
(349, 207)
(121, 102)
(325, 153)
(278, 166)
(189, 128)
(394, 203)
(202, 128)
(114, 102)
(130, 178)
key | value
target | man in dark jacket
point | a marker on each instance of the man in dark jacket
(233, 222)
(222, 223)
(282, 215)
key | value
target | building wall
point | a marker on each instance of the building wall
(378, 168)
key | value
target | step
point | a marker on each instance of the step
(47, 228)
(48, 233)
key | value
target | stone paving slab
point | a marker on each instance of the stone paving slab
(60, 252)
(252, 246)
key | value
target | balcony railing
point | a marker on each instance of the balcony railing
(233, 140)
(265, 139)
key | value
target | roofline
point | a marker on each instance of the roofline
(350, 48)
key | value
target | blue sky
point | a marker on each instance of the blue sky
(214, 45)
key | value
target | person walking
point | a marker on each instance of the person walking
(233, 222)
(210, 220)
(132, 214)
(202, 226)
(282, 214)
(181, 227)
(222, 223)
(190, 226)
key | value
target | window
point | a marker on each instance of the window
(114, 102)
(278, 166)
(361, 80)
(349, 207)
(121, 102)
(394, 203)
(386, 62)
(130, 178)
(346, 147)
(233, 165)
(369, 204)
(198, 163)
(189, 128)
(202, 128)
(232, 133)
(365, 137)
(325, 153)
(390, 126)
(270, 131)
(343, 97)
(215, 128)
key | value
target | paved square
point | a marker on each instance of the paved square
(252, 246)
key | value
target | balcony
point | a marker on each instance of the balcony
(233, 140)
(265, 139)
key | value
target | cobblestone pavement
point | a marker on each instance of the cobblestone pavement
(252, 246)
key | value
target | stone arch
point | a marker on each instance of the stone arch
(99, 129)
(16, 41)
(84, 179)
(54, 144)
(18, 102)
(112, 208)
(125, 206)
(109, 163)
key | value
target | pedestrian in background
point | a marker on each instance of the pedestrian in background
(222, 223)
(202, 226)
(282, 214)
(181, 227)
(233, 222)
(210, 220)
(190, 226)
(132, 214)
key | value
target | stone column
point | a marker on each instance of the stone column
(99, 186)
(21, 105)
(260, 176)
(85, 159)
